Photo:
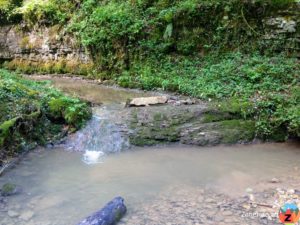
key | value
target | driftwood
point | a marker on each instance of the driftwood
(110, 214)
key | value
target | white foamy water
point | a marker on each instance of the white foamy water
(93, 157)
(100, 137)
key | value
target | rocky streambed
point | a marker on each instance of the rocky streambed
(178, 119)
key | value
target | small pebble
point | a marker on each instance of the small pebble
(249, 190)
(27, 215)
(275, 180)
(12, 213)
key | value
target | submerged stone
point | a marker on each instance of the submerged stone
(12, 213)
(110, 214)
(27, 215)
(10, 189)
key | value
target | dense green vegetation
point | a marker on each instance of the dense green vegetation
(34, 113)
(210, 49)
(266, 88)
(136, 30)
(36, 11)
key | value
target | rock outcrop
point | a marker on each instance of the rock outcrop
(39, 45)
(54, 44)
(189, 124)
(284, 28)
(46, 50)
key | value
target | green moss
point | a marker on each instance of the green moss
(57, 107)
(162, 127)
(5, 129)
(61, 66)
(159, 117)
(24, 42)
(215, 116)
(236, 106)
(237, 130)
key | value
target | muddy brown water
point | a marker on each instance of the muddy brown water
(59, 188)
(90, 90)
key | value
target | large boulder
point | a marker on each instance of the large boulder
(197, 124)
(110, 214)
(146, 101)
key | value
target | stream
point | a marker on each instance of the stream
(167, 184)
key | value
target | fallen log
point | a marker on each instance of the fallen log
(110, 214)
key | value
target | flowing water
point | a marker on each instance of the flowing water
(100, 137)
(60, 187)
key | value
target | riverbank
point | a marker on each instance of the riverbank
(181, 119)
(33, 114)
(249, 87)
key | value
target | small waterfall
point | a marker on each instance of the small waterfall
(101, 136)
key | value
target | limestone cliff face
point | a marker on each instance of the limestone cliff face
(53, 44)
(44, 44)
(284, 27)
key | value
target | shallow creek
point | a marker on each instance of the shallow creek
(172, 184)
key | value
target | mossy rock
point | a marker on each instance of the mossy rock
(158, 124)
(222, 132)
(235, 107)
(9, 189)
(235, 131)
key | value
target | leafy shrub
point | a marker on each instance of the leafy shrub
(73, 111)
(46, 11)
(7, 14)
(107, 30)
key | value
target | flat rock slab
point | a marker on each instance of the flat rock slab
(146, 101)
(196, 124)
